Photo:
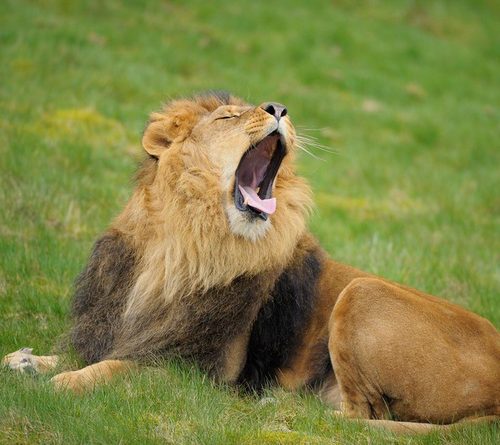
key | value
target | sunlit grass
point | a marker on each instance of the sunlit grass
(405, 94)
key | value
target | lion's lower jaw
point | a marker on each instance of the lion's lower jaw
(241, 224)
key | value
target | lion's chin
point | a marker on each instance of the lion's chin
(247, 224)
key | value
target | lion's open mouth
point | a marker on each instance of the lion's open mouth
(255, 176)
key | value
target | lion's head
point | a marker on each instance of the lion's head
(218, 196)
(248, 150)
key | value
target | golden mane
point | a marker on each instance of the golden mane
(177, 223)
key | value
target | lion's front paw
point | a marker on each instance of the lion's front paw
(22, 360)
(74, 381)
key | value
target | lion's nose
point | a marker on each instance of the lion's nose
(275, 109)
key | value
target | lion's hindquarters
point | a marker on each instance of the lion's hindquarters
(404, 355)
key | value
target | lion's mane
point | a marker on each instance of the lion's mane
(169, 276)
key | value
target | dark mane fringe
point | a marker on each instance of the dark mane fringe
(189, 328)
(99, 301)
(281, 322)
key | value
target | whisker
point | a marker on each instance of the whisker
(301, 147)
(311, 129)
(308, 138)
(313, 143)
(323, 148)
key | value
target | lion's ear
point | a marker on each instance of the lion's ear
(173, 124)
(156, 137)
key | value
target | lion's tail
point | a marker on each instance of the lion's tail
(422, 428)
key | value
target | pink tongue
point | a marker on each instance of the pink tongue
(253, 200)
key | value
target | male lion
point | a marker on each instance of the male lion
(211, 261)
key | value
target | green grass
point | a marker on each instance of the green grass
(406, 92)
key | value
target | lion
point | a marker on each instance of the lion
(211, 261)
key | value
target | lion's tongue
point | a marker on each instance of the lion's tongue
(252, 199)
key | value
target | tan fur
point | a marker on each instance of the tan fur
(434, 360)
(182, 256)
(394, 349)
(87, 378)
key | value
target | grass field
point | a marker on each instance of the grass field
(406, 92)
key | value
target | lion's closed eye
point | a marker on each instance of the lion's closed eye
(232, 116)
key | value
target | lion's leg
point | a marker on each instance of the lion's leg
(87, 378)
(357, 397)
(360, 394)
(24, 361)
(381, 355)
